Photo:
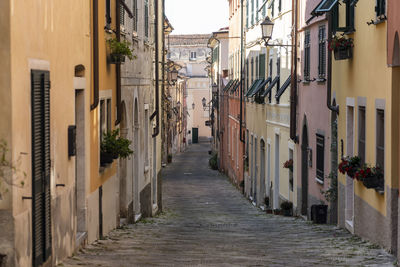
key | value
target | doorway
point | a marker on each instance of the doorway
(41, 196)
(80, 164)
(304, 169)
(195, 135)
(277, 168)
(123, 163)
(136, 150)
(349, 208)
(255, 196)
(262, 171)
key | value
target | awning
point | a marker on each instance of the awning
(226, 88)
(260, 86)
(323, 7)
(253, 86)
(235, 87)
(283, 88)
(271, 85)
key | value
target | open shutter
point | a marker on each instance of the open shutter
(41, 216)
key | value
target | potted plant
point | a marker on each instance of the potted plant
(287, 207)
(113, 146)
(119, 50)
(213, 162)
(350, 165)
(169, 158)
(342, 47)
(288, 164)
(371, 177)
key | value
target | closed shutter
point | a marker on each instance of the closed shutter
(41, 215)
(135, 15)
(122, 14)
(322, 52)
(146, 18)
(320, 156)
(307, 56)
(262, 66)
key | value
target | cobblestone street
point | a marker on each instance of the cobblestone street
(207, 222)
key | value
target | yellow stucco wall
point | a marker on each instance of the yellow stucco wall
(366, 75)
(107, 81)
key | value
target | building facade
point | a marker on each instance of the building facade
(190, 52)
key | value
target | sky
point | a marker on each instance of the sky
(197, 16)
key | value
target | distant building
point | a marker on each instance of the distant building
(190, 51)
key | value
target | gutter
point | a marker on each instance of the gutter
(95, 55)
(157, 71)
(293, 87)
(118, 66)
(329, 80)
(241, 71)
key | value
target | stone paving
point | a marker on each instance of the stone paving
(207, 222)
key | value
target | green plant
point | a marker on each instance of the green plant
(331, 194)
(286, 205)
(350, 165)
(120, 48)
(288, 164)
(213, 162)
(10, 174)
(115, 145)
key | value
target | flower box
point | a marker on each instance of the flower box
(343, 53)
(371, 177)
(106, 158)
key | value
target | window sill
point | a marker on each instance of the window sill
(107, 29)
(321, 80)
(321, 182)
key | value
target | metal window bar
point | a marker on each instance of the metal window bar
(320, 156)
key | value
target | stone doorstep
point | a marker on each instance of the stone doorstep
(81, 240)
(138, 217)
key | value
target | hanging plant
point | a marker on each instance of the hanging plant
(113, 146)
(350, 165)
(288, 164)
(342, 47)
(119, 50)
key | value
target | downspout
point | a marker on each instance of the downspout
(293, 87)
(157, 74)
(95, 55)
(241, 71)
(118, 65)
(334, 108)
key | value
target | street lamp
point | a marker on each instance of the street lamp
(204, 102)
(267, 27)
(174, 76)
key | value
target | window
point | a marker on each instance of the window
(270, 67)
(146, 18)
(261, 68)
(272, 6)
(108, 13)
(320, 156)
(380, 8)
(252, 70)
(361, 133)
(247, 15)
(349, 9)
(257, 69)
(380, 138)
(247, 74)
(278, 67)
(135, 15)
(105, 117)
(257, 11)
(252, 12)
(291, 170)
(193, 55)
(279, 6)
(146, 137)
(109, 115)
(307, 56)
(322, 52)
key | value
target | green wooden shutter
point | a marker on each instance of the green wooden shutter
(146, 18)
(135, 15)
(262, 66)
(122, 13)
(41, 206)
(247, 14)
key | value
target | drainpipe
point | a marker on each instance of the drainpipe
(293, 87)
(95, 55)
(241, 71)
(118, 66)
(334, 108)
(157, 74)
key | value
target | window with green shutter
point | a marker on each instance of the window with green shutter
(247, 14)
(108, 13)
(320, 157)
(122, 14)
(322, 52)
(256, 10)
(307, 55)
(252, 12)
(380, 8)
(262, 66)
(135, 15)
(146, 18)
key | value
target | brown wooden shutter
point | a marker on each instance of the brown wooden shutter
(41, 215)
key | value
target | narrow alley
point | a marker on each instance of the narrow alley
(207, 222)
